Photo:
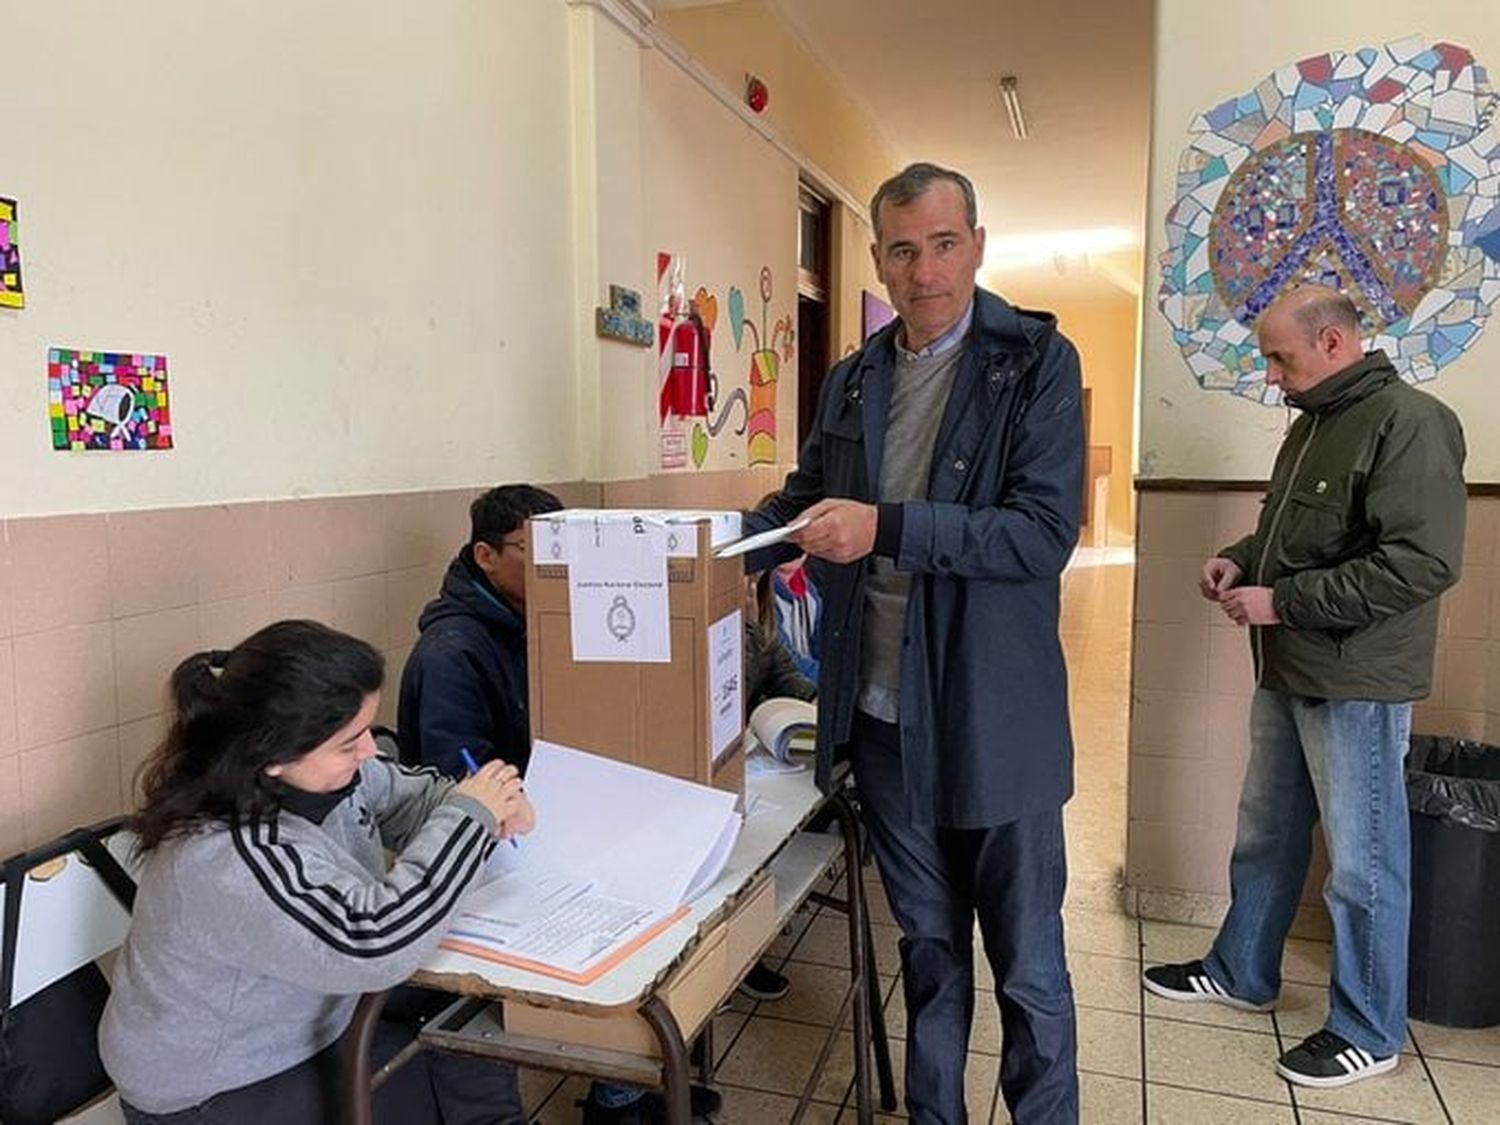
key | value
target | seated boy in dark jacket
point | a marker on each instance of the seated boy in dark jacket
(464, 687)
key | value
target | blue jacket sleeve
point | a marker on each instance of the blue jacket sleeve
(453, 713)
(1030, 529)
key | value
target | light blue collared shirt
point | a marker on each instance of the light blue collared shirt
(949, 339)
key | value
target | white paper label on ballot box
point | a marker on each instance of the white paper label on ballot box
(726, 687)
(617, 591)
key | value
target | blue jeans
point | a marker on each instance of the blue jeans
(938, 880)
(1341, 761)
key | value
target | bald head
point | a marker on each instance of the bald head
(1316, 307)
(1307, 335)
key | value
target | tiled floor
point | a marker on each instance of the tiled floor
(1142, 1060)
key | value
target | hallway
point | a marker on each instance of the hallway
(1141, 1059)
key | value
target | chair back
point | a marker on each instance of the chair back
(66, 904)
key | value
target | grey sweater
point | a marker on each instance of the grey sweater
(918, 398)
(249, 945)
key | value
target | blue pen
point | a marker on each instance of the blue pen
(473, 768)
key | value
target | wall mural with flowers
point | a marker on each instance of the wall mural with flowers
(711, 398)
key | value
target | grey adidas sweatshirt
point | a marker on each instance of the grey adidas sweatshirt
(249, 945)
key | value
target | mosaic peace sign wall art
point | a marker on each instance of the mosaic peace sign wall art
(1376, 172)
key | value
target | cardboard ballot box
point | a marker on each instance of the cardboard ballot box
(680, 707)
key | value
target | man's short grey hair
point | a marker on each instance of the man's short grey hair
(915, 180)
(1329, 309)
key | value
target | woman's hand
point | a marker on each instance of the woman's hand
(521, 818)
(497, 786)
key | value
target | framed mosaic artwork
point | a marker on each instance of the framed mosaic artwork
(108, 400)
(12, 295)
(1376, 172)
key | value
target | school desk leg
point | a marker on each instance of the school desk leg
(703, 1051)
(674, 1061)
(881, 1041)
(859, 949)
(358, 1038)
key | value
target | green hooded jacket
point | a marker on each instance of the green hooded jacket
(1361, 530)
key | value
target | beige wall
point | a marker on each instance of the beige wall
(1207, 53)
(96, 609)
(1104, 331)
(354, 251)
(374, 278)
(723, 197)
(817, 118)
(854, 268)
(1190, 695)
(614, 421)
(811, 111)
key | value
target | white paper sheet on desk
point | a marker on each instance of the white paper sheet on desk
(553, 923)
(761, 539)
(638, 834)
(617, 853)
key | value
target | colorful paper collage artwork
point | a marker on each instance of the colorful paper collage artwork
(12, 296)
(108, 400)
(1376, 172)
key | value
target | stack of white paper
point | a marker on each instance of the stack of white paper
(617, 853)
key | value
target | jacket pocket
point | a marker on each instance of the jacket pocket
(847, 422)
(1316, 529)
(842, 435)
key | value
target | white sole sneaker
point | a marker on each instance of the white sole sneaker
(1205, 991)
(1379, 1066)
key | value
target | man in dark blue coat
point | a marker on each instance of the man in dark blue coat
(943, 481)
(464, 687)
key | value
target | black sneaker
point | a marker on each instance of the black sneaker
(650, 1108)
(764, 983)
(1326, 1059)
(1191, 983)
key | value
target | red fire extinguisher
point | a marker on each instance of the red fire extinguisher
(685, 391)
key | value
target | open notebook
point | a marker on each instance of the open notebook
(617, 854)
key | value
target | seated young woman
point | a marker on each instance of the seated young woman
(287, 869)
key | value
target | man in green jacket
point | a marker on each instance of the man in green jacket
(1362, 529)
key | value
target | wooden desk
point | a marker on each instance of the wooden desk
(633, 1024)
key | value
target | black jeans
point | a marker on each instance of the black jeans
(1011, 877)
(431, 1089)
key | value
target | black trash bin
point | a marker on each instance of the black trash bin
(1453, 790)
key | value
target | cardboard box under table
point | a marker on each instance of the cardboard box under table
(653, 715)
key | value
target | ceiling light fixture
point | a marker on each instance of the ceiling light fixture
(1012, 99)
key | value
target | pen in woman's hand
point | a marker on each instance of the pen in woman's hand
(473, 768)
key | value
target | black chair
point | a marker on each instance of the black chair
(66, 905)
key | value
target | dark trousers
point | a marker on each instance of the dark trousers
(1011, 877)
(431, 1088)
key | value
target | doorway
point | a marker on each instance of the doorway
(813, 296)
